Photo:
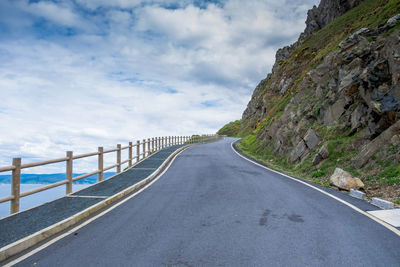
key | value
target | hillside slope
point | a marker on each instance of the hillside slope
(333, 99)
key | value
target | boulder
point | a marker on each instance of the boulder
(311, 139)
(344, 180)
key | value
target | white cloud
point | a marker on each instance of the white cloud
(133, 70)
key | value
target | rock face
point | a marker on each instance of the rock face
(326, 12)
(322, 154)
(344, 180)
(372, 147)
(354, 90)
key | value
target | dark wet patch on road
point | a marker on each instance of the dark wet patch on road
(295, 218)
(264, 218)
(292, 217)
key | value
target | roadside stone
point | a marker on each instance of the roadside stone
(382, 203)
(311, 139)
(344, 180)
(357, 194)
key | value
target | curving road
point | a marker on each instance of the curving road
(213, 208)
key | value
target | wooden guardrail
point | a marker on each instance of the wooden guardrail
(143, 150)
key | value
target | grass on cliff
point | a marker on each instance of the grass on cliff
(369, 14)
(231, 129)
(338, 147)
(311, 52)
(384, 176)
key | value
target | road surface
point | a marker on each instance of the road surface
(213, 208)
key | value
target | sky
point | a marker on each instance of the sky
(78, 74)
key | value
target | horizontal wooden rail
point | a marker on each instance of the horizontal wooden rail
(7, 198)
(7, 168)
(85, 155)
(125, 161)
(143, 149)
(110, 167)
(110, 150)
(41, 163)
(37, 190)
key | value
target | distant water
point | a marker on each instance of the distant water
(52, 178)
(33, 181)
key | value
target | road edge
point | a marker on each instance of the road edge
(386, 225)
(35, 238)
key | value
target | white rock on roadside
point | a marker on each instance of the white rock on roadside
(344, 180)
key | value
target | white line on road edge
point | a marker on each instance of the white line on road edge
(388, 226)
(36, 250)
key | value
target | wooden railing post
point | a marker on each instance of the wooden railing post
(148, 146)
(144, 148)
(152, 145)
(159, 143)
(130, 154)
(119, 158)
(69, 173)
(101, 163)
(137, 151)
(15, 185)
(162, 142)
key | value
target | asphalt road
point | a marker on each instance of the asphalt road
(213, 208)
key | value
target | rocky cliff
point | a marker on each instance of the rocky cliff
(333, 97)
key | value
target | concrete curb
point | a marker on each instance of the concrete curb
(33, 239)
(357, 194)
(383, 204)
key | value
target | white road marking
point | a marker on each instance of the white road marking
(50, 242)
(388, 226)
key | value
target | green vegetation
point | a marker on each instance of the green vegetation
(337, 146)
(391, 174)
(370, 14)
(231, 129)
